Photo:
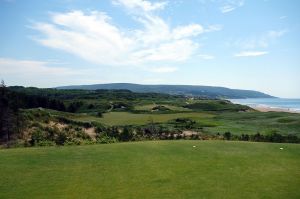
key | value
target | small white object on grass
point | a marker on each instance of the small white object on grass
(194, 146)
(281, 148)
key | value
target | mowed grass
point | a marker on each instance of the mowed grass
(153, 169)
(125, 118)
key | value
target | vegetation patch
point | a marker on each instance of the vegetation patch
(216, 105)
(29, 118)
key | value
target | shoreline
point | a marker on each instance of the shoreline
(273, 109)
(278, 105)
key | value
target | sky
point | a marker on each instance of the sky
(241, 44)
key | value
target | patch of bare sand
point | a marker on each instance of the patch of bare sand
(190, 133)
(269, 109)
(91, 132)
(60, 126)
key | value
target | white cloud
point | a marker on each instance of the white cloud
(90, 37)
(32, 72)
(31, 68)
(261, 41)
(282, 17)
(187, 31)
(175, 51)
(213, 28)
(231, 5)
(94, 37)
(227, 8)
(251, 53)
(51, 74)
(274, 34)
(141, 4)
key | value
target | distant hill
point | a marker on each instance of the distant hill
(188, 90)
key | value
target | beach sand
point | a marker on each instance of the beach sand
(269, 109)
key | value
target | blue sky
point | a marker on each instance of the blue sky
(244, 44)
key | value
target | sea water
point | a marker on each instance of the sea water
(282, 103)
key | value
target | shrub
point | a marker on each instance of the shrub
(106, 140)
(227, 135)
(257, 137)
(127, 134)
(99, 114)
(61, 138)
(74, 141)
(36, 137)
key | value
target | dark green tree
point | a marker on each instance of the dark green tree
(227, 135)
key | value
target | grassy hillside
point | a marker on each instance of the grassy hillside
(153, 169)
(203, 91)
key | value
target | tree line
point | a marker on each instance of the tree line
(11, 121)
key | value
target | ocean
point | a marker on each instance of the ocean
(282, 103)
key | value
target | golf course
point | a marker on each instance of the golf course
(122, 144)
(153, 169)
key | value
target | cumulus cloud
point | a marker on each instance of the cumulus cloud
(93, 36)
(251, 53)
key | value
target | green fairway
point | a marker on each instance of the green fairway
(125, 118)
(153, 169)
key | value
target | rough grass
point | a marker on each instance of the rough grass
(237, 123)
(162, 169)
(253, 122)
(149, 107)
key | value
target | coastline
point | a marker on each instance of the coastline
(271, 105)
(273, 109)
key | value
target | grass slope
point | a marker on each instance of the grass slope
(162, 169)
(149, 107)
(236, 123)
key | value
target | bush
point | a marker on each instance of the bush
(36, 137)
(227, 136)
(127, 134)
(257, 137)
(61, 138)
(244, 137)
(74, 141)
(160, 108)
(106, 140)
(99, 114)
